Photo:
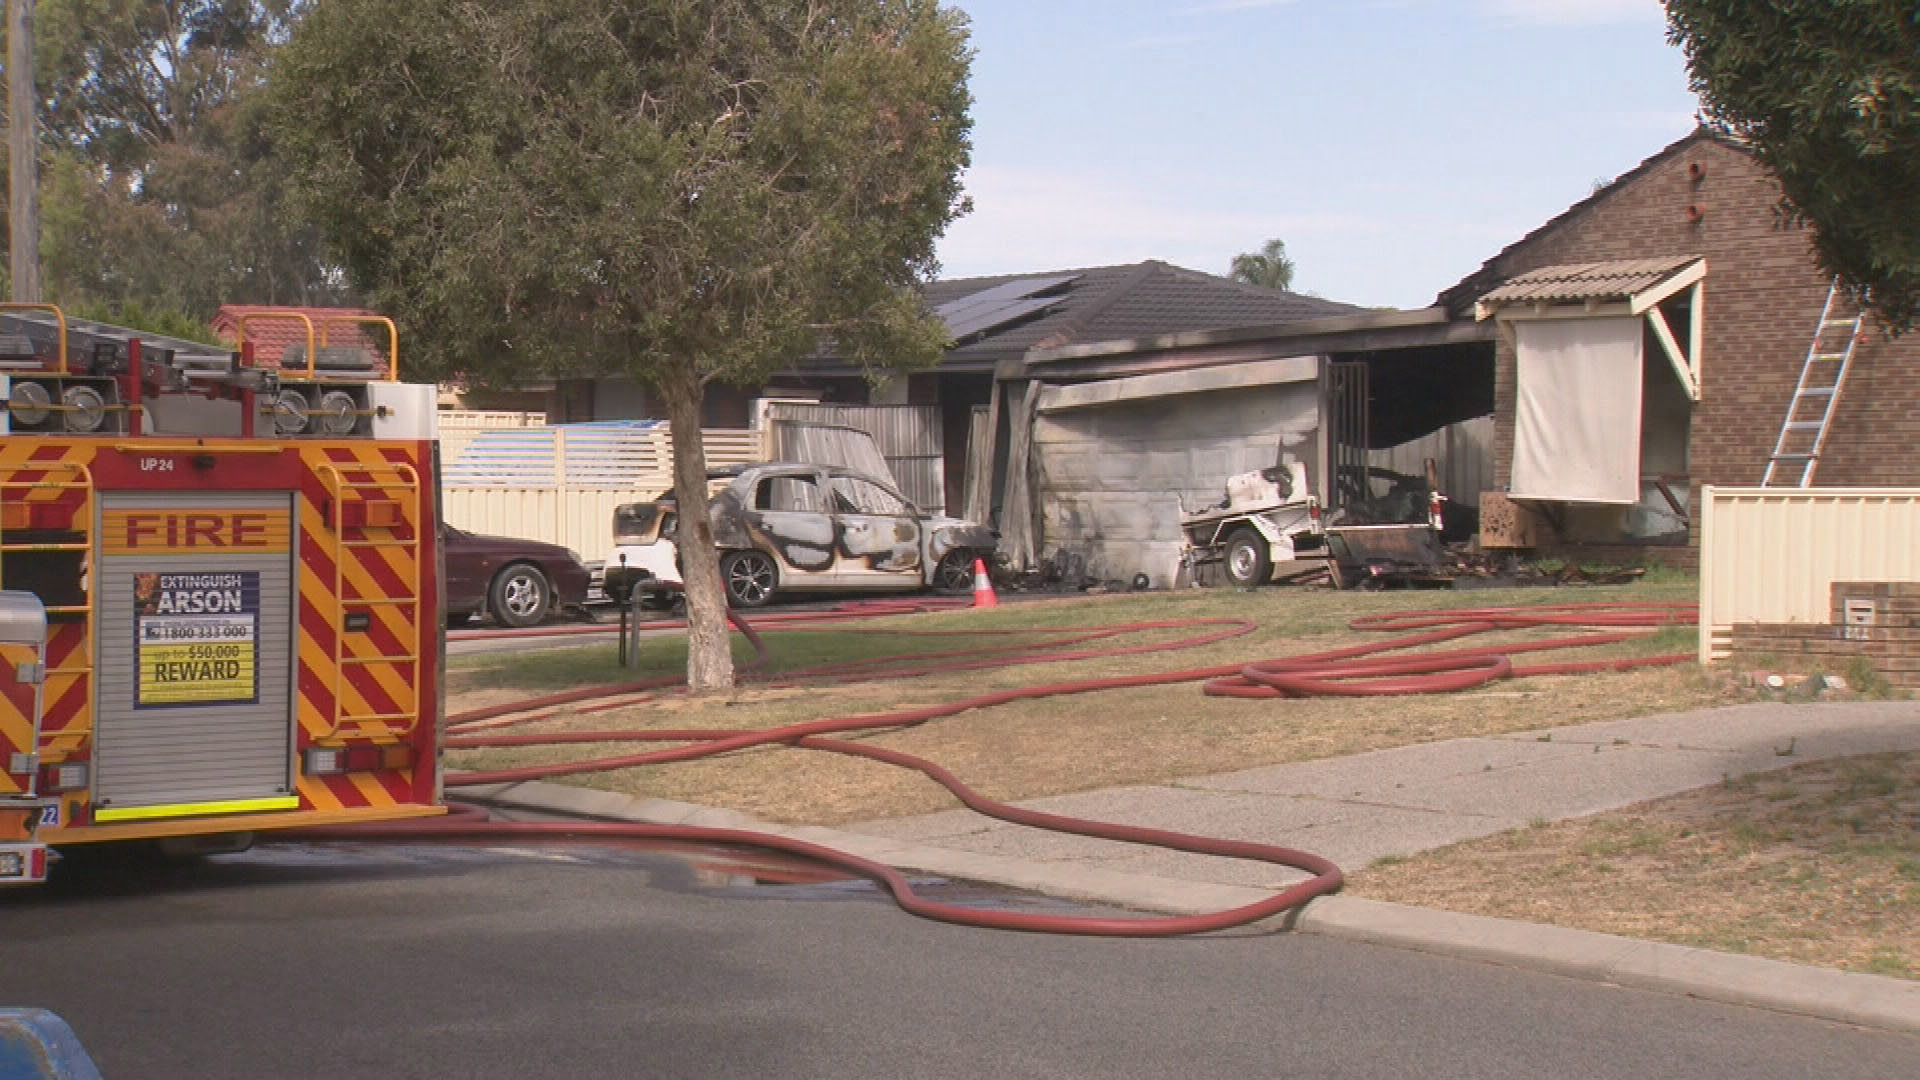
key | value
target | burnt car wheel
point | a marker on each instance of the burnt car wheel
(954, 575)
(750, 578)
(520, 596)
(1247, 561)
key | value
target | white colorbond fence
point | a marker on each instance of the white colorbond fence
(1771, 555)
(559, 486)
(578, 518)
(459, 427)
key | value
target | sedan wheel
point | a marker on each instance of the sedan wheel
(750, 578)
(520, 596)
(954, 575)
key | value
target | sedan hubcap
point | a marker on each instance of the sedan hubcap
(752, 580)
(522, 596)
(956, 573)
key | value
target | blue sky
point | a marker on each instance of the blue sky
(1393, 144)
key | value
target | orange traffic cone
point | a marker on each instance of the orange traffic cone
(983, 586)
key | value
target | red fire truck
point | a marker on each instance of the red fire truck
(219, 591)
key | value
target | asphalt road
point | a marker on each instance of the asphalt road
(431, 962)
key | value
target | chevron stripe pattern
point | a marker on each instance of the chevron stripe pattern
(367, 614)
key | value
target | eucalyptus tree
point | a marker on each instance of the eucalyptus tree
(676, 191)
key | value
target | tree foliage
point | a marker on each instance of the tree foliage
(1269, 269)
(1827, 92)
(678, 191)
(159, 188)
(124, 79)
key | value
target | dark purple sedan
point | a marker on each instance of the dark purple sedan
(518, 582)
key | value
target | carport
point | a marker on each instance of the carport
(1100, 445)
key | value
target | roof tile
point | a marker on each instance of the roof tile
(272, 328)
(1619, 279)
(1106, 303)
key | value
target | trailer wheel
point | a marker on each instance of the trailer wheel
(1248, 563)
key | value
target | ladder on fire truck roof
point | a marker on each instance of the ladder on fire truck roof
(1803, 435)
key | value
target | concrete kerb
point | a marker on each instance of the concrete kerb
(1872, 1001)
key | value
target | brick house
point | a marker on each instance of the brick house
(1649, 340)
(1702, 206)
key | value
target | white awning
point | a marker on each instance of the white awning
(1577, 417)
(1636, 287)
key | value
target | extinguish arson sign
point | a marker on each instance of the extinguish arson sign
(199, 638)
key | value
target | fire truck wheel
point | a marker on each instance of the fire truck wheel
(1248, 564)
(520, 596)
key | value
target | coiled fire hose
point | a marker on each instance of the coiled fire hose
(1358, 669)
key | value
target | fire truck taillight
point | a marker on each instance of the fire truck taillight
(65, 776)
(364, 757)
(23, 863)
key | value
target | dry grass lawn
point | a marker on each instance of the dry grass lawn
(1815, 864)
(1073, 743)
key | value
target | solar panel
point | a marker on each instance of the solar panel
(994, 318)
(999, 305)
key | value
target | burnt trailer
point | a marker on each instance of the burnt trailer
(1271, 527)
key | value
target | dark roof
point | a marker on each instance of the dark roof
(1460, 297)
(1108, 302)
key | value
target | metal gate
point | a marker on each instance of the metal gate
(1349, 405)
(194, 652)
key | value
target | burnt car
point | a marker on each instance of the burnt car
(519, 582)
(784, 527)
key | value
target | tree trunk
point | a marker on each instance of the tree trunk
(709, 647)
(23, 178)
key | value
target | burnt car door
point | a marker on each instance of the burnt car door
(789, 517)
(878, 533)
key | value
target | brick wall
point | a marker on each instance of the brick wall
(1763, 294)
(1889, 638)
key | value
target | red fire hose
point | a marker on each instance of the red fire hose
(1356, 669)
